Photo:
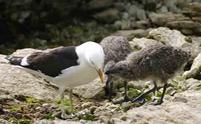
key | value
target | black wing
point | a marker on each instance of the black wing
(53, 62)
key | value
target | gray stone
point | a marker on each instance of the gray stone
(195, 68)
(125, 15)
(161, 19)
(170, 37)
(109, 15)
(2, 121)
(140, 14)
(184, 24)
(192, 84)
(117, 24)
(2, 59)
(164, 9)
(125, 24)
(171, 5)
(92, 90)
(137, 12)
(132, 11)
(140, 43)
(64, 122)
(142, 24)
(17, 81)
(98, 4)
(130, 34)
(119, 5)
(181, 111)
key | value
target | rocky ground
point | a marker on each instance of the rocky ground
(26, 99)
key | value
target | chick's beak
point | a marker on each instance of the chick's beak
(101, 75)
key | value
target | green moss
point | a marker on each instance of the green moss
(12, 120)
(178, 84)
(65, 103)
(90, 117)
(199, 87)
(16, 107)
(48, 116)
(32, 100)
(188, 39)
(133, 92)
(24, 121)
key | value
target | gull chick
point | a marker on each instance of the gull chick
(158, 63)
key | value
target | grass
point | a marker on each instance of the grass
(66, 104)
(89, 117)
(132, 92)
(48, 116)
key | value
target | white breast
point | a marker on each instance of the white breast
(75, 76)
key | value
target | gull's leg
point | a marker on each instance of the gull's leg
(71, 100)
(108, 88)
(126, 99)
(61, 93)
(63, 110)
(125, 91)
(156, 89)
(145, 93)
(162, 96)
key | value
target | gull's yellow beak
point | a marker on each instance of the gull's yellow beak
(101, 75)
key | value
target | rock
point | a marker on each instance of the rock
(2, 121)
(119, 5)
(99, 4)
(185, 110)
(17, 81)
(171, 5)
(161, 19)
(188, 21)
(140, 43)
(141, 15)
(164, 9)
(177, 39)
(63, 122)
(151, 5)
(170, 37)
(196, 45)
(2, 59)
(142, 24)
(195, 68)
(130, 34)
(25, 52)
(92, 90)
(108, 16)
(188, 24)
(192, 84)
(137, 12)
(196, 19)
(87, 105)
(125, 15)
(117, 24)
(107, 111)
(132, 11)
(125, 24)
(195, 6)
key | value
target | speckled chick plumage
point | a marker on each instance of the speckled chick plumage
(158, 61)
(116, 48)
